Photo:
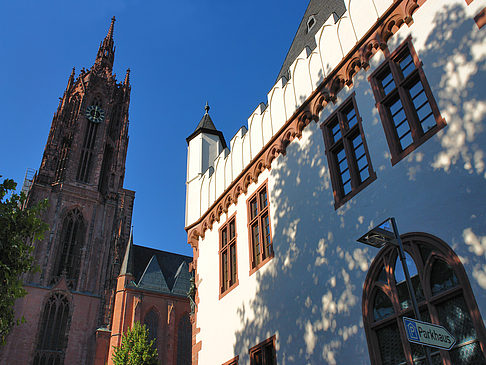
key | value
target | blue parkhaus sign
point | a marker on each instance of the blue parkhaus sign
(428, 334)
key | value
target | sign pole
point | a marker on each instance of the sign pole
(411, 291)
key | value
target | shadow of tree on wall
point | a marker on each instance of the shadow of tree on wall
(310, 293)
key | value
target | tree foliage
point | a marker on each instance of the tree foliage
(19, 229)
(136, 348)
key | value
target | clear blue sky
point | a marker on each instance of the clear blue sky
(181, 53)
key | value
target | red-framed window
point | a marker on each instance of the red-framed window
(444, 297)
(347, 153)
(261, 250)
(228, 256)
(407, 108)
(264, 353)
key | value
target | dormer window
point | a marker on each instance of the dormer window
(310, 23)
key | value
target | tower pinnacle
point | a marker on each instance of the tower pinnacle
(110, 31)
(106, 52)
(127, 77)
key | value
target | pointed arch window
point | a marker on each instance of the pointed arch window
(53, 329)
(71, 242)
(87, 150)
(75, 101)
(151, 321)
(62, 159)
(184, 341)
(444, 297)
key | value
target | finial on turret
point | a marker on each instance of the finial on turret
(206, 107)
(110, 31)
(127, 77)
(70, 80)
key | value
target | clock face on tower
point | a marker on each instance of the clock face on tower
(95, 113)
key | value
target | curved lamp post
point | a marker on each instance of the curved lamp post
(386, 233)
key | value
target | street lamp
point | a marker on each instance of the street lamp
(387, 233)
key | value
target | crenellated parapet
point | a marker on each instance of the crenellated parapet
(315, 77)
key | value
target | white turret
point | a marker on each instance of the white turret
(204, 145)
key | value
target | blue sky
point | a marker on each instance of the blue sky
(180, 55)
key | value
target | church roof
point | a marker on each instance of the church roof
(206, 125)
(156, 270)
(318, 11)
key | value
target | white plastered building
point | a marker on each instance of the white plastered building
(379, 110)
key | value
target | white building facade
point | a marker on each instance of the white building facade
(386, 116)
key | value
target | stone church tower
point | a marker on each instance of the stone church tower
(82, 171)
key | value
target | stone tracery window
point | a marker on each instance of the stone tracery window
(151, 321)
(444, 297)
(184, 341)
(71, 242)
(53, 329)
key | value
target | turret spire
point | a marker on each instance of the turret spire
(110, 31)
(106, 52)
(127, 77)
(70, 80)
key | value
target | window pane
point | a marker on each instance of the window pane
(224, 238)
(396, 106)
(233, 264)
(406, 141)
(232, 229)
(266, 236)
(343, 166)
(424, 111)
(345, 176)
(253, 209)
(402, 289)
(341, 155)
(263, 199)
(419, 100)
(335, 131)
(390, 345)
(428, 123)
(351, 118)
(403, 129)
(388, 83)
(407, 65)
(357, 141)
(224, 276)
(347, 188)
(364, 174)
(382, 307)
(416, 89)
(454, 315)
(360, 151)
(151, 322)
(442, 277)
(467, 354)
(255, 237)
(362, 163)
(382, 277)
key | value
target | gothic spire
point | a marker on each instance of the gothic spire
(70, 81)
(106, 52)
(127, 78)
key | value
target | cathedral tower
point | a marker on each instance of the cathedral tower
(82, 172)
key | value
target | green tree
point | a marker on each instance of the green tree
(19, 229)
(135, 348)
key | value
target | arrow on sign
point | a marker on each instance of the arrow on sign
(428, 334)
